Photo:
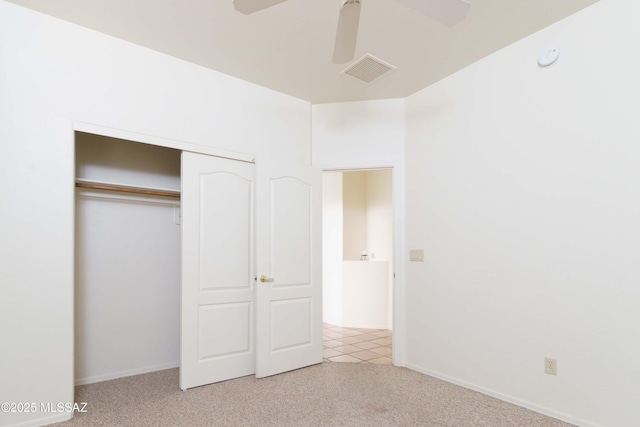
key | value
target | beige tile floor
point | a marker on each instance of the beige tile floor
(356, 345)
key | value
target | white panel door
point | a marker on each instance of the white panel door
(288, 291)
(218, 291)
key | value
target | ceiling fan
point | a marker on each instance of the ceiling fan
(449, 12)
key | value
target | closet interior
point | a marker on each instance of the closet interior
(127, 258)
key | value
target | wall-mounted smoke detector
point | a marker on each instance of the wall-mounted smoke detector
(368, 68)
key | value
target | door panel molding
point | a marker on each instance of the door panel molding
(233, 209)
(296, 334)
(237, 318)
(290, 231)
(217, 323)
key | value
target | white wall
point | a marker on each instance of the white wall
(127, 270)
(54, 74)
(353, 135)
(354, 208)
(522, 188)
(379, 195)
(332, 220)
(368, 214)
(379, 198)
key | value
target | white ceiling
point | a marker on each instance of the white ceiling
(289, 46)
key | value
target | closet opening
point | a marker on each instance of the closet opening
(127, 258)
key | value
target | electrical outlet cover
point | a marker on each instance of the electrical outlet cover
(550, 366)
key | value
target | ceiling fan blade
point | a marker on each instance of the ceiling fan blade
(250, 6)
(449, 12)
(347, 34)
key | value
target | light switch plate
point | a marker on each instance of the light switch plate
(416, 255)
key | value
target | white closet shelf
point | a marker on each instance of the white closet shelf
(110, 186)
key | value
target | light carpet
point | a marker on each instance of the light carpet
(328, 394)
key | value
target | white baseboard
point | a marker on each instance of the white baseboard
(127, 373)
(519, 402)
(365, 326)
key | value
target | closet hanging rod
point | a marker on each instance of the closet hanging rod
(95, 185)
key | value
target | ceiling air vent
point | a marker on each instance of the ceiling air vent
(368, 68)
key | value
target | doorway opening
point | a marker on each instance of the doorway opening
(358, 272)
(127, 258)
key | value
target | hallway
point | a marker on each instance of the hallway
(357, 345)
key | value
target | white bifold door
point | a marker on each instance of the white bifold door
(251, 291)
